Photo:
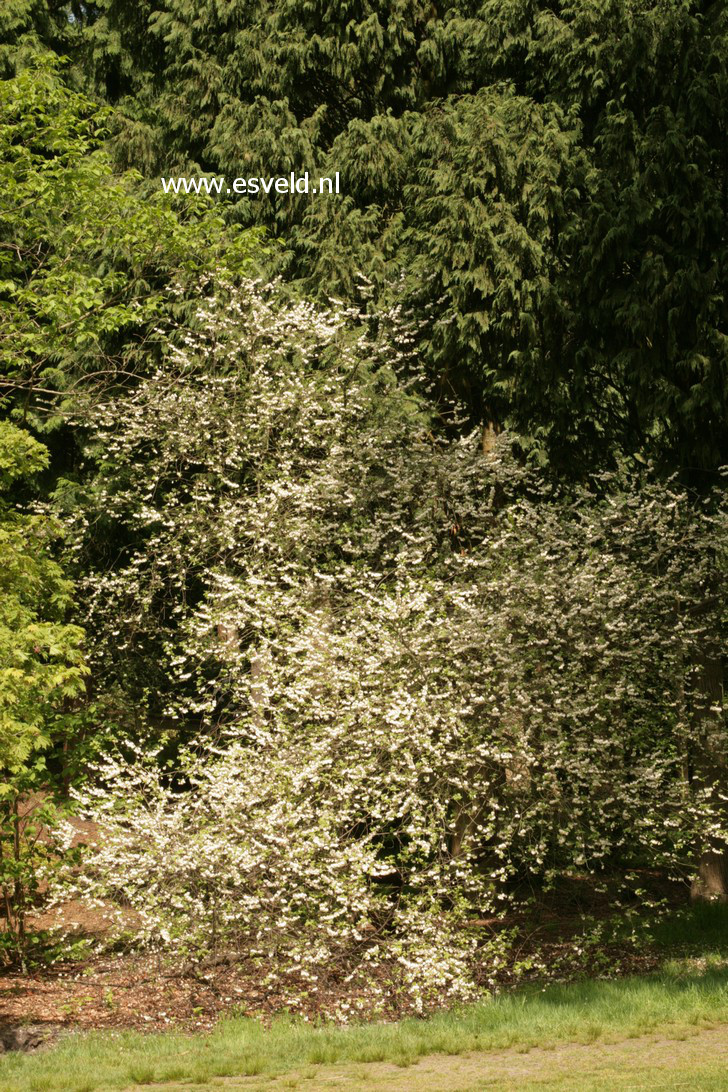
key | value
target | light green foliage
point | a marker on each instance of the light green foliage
(86, 267)
(42, 671)
(41, 662)
(85, 261)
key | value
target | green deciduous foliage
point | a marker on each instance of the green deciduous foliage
(85, 261)
(86, 268)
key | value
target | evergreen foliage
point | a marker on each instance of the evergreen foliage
(595, 322)
(40, 656)
(30, 27)
(42, 674)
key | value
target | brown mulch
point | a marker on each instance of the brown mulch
(124, 991)
(147, 993)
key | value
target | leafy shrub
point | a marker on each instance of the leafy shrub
(423, 673)
(41, 670)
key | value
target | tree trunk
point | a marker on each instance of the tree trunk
(710, 771)
(711, 882)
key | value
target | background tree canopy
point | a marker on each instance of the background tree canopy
(545, 184)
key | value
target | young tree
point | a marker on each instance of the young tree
(42, 670)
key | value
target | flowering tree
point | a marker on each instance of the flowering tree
(418, 675)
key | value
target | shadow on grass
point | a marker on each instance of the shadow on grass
(702, 927)
(671, 985)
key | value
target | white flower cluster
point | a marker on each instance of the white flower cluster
(412, 675)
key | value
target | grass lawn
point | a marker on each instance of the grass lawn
(674, 1009)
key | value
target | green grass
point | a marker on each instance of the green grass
(690, 993)
(700, 928)
(584, 1013)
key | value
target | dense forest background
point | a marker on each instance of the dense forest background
(364, 557)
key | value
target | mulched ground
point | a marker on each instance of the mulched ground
(125, 992)
(143, 992)
(147, 993)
